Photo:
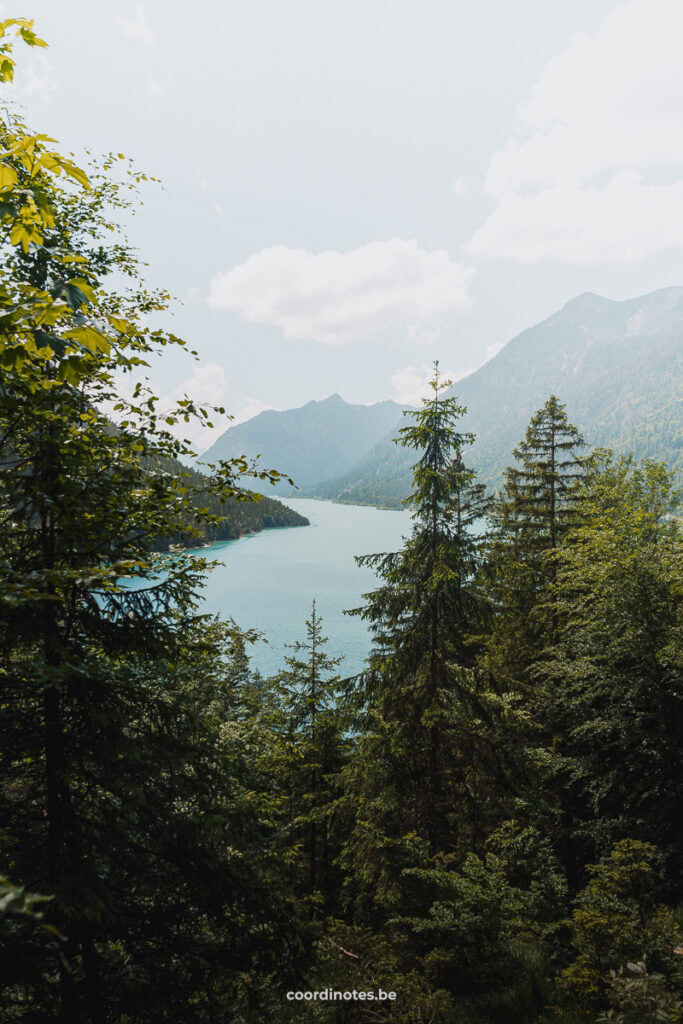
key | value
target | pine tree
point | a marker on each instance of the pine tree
(424, 612)
(529, 518)
(537, 497)
(312, 752)
(418, 707)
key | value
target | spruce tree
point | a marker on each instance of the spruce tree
(417, 704)
(421, 790)
(529, 518)
(427, 606)
(312, 751)
(537, 496)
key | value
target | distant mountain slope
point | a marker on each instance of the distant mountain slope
(617, 366)
(313, 443)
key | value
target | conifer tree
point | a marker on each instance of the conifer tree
(418, 617)
(530, 517)
(537, 496)
(418, 703)
(312, 753)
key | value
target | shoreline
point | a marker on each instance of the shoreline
(340, 501)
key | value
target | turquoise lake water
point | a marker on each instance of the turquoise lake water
(269, 579)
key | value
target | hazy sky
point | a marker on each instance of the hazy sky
(353, 188)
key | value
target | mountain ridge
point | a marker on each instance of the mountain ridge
(311, 443)
(616, 365)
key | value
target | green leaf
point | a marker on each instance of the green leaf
(8, 177)
(89, 338)
(83, 287)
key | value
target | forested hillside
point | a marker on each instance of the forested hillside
(481, 827)
(310, 444)
(222, 519)
(617, 366)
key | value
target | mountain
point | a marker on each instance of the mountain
(311, 444)
(617, 366)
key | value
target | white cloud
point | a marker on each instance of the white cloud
(412, 383)
(622, 222)
(154, 87)
(343, 297)
(210, 385)
(409, 385)
(246, 408)
(139, 29)
(39, 82)
(460, 186)
(34, 83)
(594, 172)
(493, 350)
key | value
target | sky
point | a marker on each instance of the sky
(354, 188)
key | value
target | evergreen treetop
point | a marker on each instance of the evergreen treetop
(536, 502)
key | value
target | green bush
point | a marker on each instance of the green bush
(639, 997)
(617, 919)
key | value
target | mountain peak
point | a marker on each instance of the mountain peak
(587, 302)
(590, 302)
(315, 441)
(615, 364)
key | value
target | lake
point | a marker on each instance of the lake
(268, 580)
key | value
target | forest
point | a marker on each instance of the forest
(210, 517)
(485, 823)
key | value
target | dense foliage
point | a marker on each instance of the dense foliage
(485, 822)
